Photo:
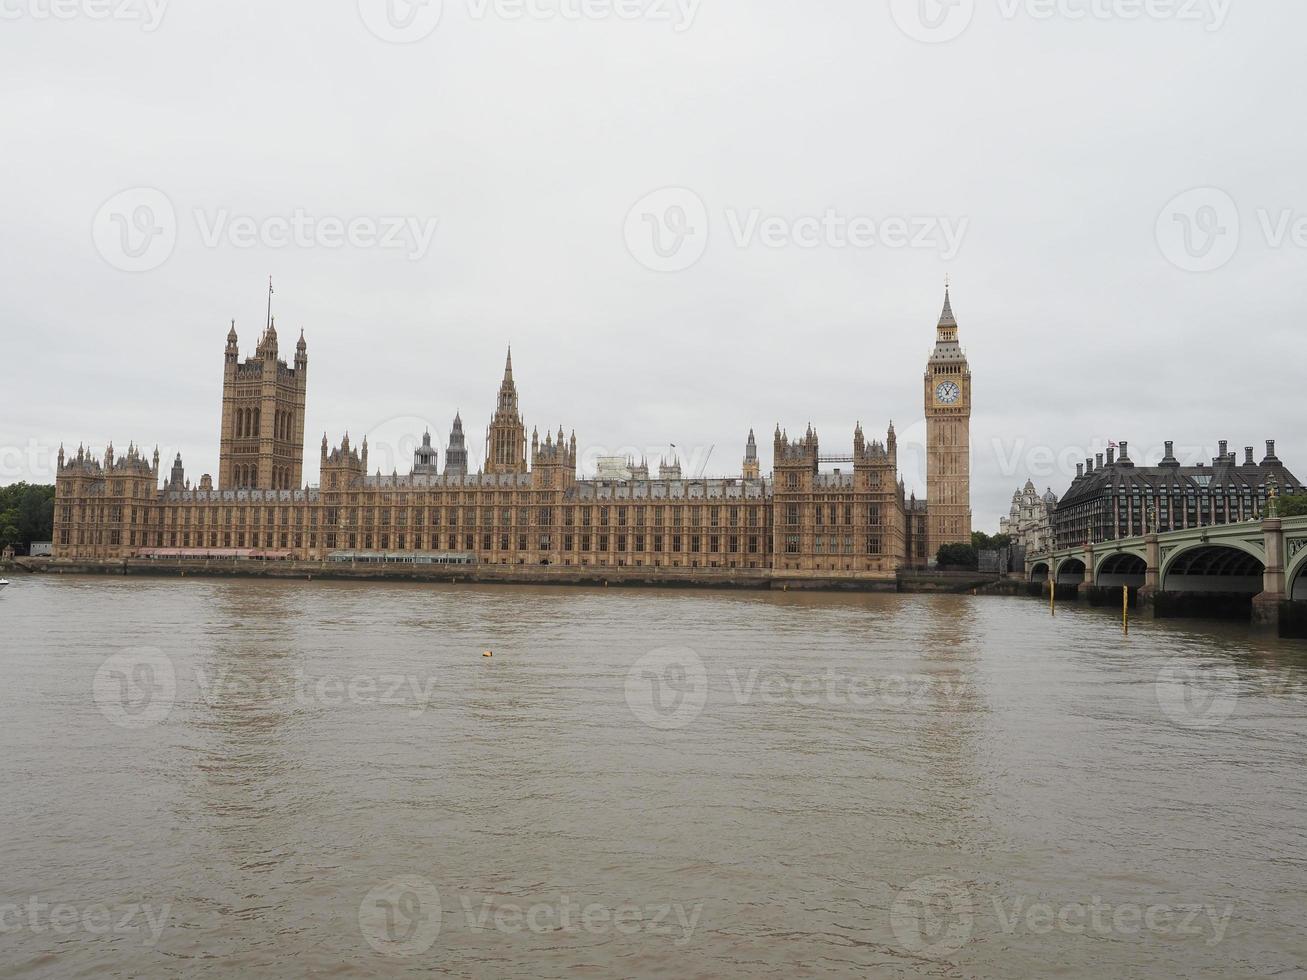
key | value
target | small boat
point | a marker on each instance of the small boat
(3, 583)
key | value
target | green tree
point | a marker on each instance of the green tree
(986, 542)
(958, 556)
(1294, 506)
(26, 514)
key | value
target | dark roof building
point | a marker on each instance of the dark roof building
(1114, 499)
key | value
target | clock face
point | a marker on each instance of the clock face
(948, 393)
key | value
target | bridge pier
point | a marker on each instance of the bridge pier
(1269, 607)
(1147, 598)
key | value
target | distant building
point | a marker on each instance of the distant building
(1114, 499)
(844, 512)
(41, 549)
(1030, 521)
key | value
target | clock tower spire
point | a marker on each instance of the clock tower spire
(948, 437)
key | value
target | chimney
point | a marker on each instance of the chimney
(1225, 448)
(1089, 465)
(1270, 453)
(1248, 456)
(1111, 457)
(1170, 448)
(1098, 457)
(1080, 470)
(1125, 452)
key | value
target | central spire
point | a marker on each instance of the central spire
(507, 389)
(506, 438)
(946, 318)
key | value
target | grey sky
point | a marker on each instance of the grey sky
(1054, 146)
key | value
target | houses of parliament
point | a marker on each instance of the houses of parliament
(845, 514)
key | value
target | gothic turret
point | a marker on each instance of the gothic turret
(177, 479)
(425, 458)
(751, 470)
(669, 468)
(456, 454)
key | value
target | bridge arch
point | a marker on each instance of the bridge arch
(1214, 566)
(1039, 572)
(1122, 568)
(1071, 571)
(1295, 576)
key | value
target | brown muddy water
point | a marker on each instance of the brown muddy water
(247, 778)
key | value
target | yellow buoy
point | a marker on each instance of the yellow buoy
(487, 654)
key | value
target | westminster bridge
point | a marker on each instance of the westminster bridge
(1255, 568)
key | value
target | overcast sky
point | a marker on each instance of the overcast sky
(688, 217)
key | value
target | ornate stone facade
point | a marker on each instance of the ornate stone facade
(527, 506)
(1030, 521)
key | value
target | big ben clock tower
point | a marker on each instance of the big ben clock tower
(948, 437)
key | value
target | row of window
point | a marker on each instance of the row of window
(822, 515)
(752, 544)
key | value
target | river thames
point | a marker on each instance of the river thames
(253, 778)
